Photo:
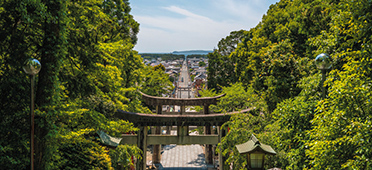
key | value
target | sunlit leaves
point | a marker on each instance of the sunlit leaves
(276, 60)
(155, 82)
(124, 156)
(220, 70)
(90, 68)
(343, 120)
(340, 138)
(241, 125)
(237, 98)
(78, 152)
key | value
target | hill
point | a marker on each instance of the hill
(192, 52)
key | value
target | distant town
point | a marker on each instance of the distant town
(197, 63)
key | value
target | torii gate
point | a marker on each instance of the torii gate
(180, 119)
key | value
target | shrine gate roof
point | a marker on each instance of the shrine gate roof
(155, 101)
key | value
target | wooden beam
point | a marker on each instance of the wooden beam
(186, 113)
(154, 100)
(172, 139)
(139, 119)
(186, 140)
(129, 139)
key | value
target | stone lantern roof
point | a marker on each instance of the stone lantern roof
(253, 145)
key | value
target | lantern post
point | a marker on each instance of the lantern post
(32, 67)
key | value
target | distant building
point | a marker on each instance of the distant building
(167, 69)
(199, 81)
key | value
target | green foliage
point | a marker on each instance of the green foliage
(292, 117)
(273, 56)
(275, 59)
(279, 74)
(237, 99)
(192, 77)
(81, 83)
(340, 134)
(208, 93)
(123, 156)
(75, 128)
(202, 64)
(28, 30)
(89, 70)
(80, 153)
(341, 126)
(241, 127)
(164, 57)
(155, 82)
(159, 67)
(228, 45)
(220, 71)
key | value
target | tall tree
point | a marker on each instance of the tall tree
(220, 71)
(21, 35)
(277, 61)
(48, 90)
(155, 81)
(340, 138)
(81, 82)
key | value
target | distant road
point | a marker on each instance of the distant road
(183, 156)
(184, 82)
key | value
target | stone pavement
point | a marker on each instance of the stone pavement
(183, 157)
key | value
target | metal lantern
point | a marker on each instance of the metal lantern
(32, 66)
(323, 61)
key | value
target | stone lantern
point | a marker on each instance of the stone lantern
(255, 152)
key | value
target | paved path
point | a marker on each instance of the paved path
(183, 157)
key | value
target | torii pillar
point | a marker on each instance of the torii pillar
(156, 148)
(207, 131)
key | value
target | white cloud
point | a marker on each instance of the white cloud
(247, 10)
(186, 30)
(186, 13)
(191, 31)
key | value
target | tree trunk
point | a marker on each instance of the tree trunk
(48, 85)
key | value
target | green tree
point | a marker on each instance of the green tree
(237, 98)
(159, 67)
(155, 82)
(91, 155)
(220, 71)
(293, 117)
(241, 125)
(228, 44)
(276, 59)
(279, 75)
(340, 136)
(81, 82)
(29, 29)
(122, 156)
(201, 64)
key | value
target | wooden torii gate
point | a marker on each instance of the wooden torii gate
(180, 119)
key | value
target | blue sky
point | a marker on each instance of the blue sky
(176, 25)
